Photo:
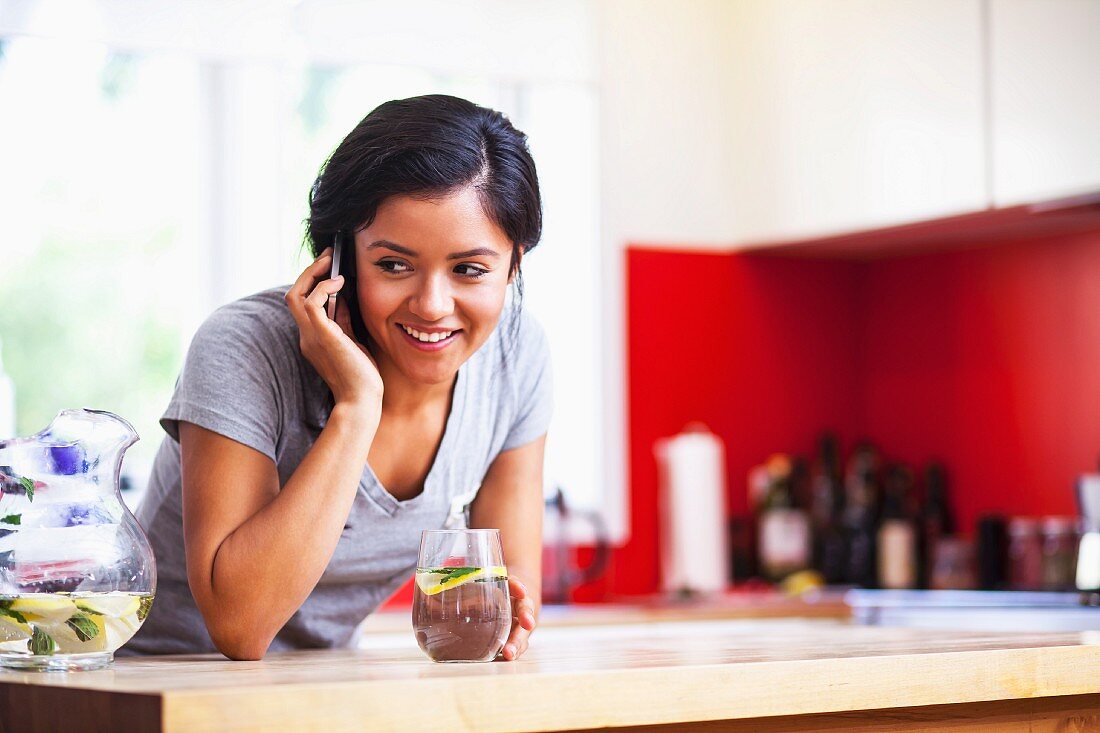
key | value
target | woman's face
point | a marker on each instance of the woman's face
(431, 269)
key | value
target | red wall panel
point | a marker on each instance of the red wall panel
(986, 358)
(990, 360)
(759, 349)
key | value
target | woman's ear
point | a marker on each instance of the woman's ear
(517, 258)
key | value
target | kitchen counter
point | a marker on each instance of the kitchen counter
(758, 675)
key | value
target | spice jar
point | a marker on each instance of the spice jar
(1059, 553)
(1025, 554)
(952, 564)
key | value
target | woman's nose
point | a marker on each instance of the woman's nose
(433, 300)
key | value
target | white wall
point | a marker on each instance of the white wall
(665, 122)
(666, 162)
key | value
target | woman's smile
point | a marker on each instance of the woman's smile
(428, 341)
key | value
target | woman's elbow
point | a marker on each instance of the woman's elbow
(239, 644)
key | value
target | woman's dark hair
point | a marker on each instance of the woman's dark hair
(429, 147)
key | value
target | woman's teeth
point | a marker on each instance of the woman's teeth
(428, 338)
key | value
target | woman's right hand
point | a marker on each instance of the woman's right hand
(346, 366)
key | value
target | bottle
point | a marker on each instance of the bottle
(742, 555)
(936, 519)
(826, 509)
(784, 533)
(897, 533)
(992, 549)
(7, 401)
(860, 515)
(1025, 554)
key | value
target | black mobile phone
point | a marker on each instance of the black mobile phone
(343, 263)
(337, 257)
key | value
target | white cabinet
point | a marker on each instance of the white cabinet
(1046, 98)
(854, 114)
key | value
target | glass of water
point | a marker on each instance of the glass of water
(461, 609)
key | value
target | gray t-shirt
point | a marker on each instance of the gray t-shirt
(245, 377)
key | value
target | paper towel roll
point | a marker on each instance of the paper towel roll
(694, 547)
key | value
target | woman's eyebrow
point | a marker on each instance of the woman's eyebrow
(386, 244)
(480, 251)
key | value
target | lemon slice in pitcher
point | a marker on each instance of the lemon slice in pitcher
(12, 629)
(80, 634)
(44, 609)
(431, 581)
(115, 606)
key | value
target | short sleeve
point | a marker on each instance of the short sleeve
(229, 384)
(534, 403)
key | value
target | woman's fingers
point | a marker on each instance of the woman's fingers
(523, 609)
(517, 642)
(306, 282)
(523, 620)
(325, 289)
(351, 378)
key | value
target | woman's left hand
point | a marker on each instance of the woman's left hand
(523, 620)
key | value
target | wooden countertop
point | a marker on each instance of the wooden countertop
(577, 678)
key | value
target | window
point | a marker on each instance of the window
(145, 189)
(100, 197)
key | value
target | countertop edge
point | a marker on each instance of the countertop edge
(651, 695)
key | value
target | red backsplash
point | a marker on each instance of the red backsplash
(986, 358)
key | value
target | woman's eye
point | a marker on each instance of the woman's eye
(392, 266)
(470, 271)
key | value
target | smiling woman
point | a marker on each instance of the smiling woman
(428, 287)
(303, 462)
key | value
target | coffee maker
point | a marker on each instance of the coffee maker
(1088, 549)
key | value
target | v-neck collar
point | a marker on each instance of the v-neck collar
(390, 503)
(370, 483)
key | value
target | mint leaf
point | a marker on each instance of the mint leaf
(143, 609)
(28, 486)
(464, 572)
(11, 519)
(457, 571)
(5, 611)
(41, 642)
(84, 627)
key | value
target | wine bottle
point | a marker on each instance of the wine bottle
(860, 516)
(936, 519)
(897, 532)
(826, 509)
(784, 533)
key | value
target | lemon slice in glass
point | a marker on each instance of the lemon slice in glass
(431, 581)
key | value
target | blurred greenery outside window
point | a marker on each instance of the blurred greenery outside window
(142, 191)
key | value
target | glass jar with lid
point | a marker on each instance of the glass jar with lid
(1025, 554)
(1059, 553)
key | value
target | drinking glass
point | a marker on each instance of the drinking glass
(461, 609)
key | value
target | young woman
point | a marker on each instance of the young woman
(305, 454)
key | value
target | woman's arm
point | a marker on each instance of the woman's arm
(255, 551)
(510, 499)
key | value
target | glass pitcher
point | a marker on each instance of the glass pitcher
(77, 574)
